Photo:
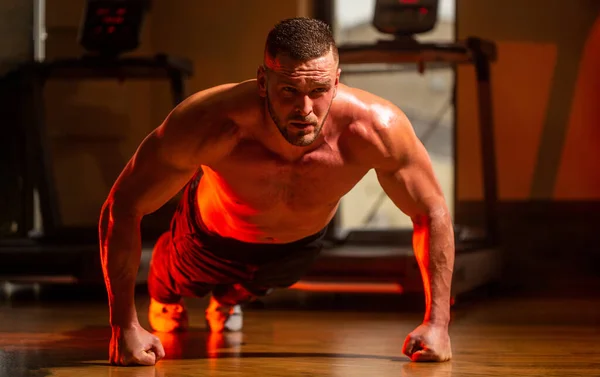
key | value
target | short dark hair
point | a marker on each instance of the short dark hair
(301, 39)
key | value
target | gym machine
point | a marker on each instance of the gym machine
(108, 29)
(383, 261)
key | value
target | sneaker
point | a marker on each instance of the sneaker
(167, 317)
(221, 318)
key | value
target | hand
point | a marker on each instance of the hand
(428, 343)
(134, 346)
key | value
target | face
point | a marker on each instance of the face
(299, 95)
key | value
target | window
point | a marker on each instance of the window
(426, 98)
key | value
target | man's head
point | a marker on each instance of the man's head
(299, 77)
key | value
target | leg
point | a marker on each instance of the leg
(167, 312)
(224, 312)
(236, 294)
(161, 285)
(279, 269)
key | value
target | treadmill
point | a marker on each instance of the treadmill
(383, 261)
(41, 248)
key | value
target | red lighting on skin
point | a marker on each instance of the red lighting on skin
(421, 247)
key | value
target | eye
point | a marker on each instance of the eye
(321, 90)
(289, 89)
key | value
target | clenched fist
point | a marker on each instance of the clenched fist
(134, 346)
(428, 343)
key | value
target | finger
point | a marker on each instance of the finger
(425, 355)
(158, 349)
(408, 346)
(145, 358)
(411, 345)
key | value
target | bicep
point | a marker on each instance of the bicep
(156, 172)
(412, 185)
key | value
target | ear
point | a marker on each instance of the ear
(261, 81)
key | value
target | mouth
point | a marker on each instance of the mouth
(301, 125)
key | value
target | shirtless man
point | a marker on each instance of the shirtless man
(264, 164)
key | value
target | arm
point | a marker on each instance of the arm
(158, 170)
(193, 134)
(407, 177)
(165, 161)
(415, 192)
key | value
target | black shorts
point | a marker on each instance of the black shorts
(190, 261)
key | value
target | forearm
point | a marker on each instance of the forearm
(433, 242)
(120, 252)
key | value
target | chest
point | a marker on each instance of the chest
(256, 176)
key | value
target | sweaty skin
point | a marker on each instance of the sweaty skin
(278, 153)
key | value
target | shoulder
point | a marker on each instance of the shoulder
(212, 109)
(207, 118)
(378, 132)
(214, 112)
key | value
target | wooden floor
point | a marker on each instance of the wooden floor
(289, 336)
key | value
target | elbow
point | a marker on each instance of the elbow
(439, 212)
(117, 222)
(115, 210)
(433, 213)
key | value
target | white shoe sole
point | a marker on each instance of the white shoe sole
(234, 320)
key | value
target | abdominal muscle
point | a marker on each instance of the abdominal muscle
(267, 221)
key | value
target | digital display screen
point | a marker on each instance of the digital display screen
(405, 17)
(110, 18)
(112, 25)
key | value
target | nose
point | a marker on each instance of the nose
(304, 105)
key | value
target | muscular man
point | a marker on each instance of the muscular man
(264, 164)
